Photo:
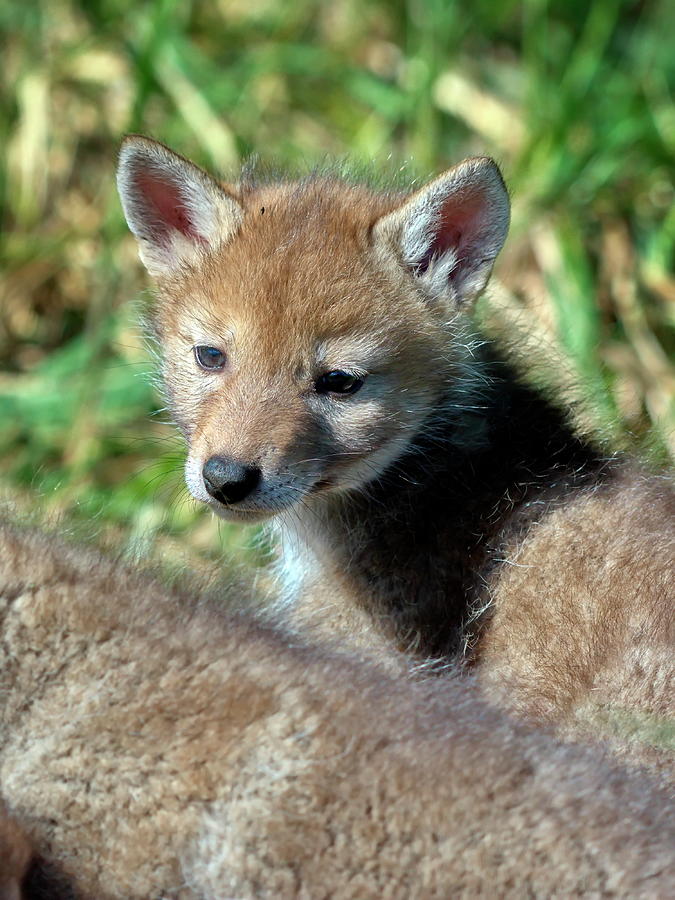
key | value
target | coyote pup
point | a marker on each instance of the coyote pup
(320, 361)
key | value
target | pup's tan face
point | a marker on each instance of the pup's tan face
(290, 300)
(304, 341)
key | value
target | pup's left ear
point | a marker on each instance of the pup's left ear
(448, 233)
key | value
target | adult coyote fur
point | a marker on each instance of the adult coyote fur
(319, 357)
(153, 745)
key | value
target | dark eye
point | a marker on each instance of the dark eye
(210, 357)
(338, 383)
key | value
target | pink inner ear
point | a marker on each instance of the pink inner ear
(167, 205)
(457, 226)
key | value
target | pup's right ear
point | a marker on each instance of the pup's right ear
(177, 212)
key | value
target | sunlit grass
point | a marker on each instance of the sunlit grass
(573, 99)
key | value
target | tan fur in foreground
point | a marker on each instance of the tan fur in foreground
(443, 508)
(153, 746)
(583, 621)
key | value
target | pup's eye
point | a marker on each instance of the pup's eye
(338, 383)
(209, 357)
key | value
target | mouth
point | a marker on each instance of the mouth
(243, 516)
(252, 514)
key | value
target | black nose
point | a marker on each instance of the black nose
(228, 481)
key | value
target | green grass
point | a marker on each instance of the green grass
(573, 99)
(627, 726)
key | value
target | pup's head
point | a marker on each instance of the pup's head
(307, 328)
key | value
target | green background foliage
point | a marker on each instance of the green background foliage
(573, 98)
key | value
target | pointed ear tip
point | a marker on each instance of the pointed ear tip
(487, 161)
(133, 140)
(480, 170)
(485, 164)
(131, 145)
(492, 176)
(139, 145)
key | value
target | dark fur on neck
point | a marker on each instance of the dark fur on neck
(422, 541)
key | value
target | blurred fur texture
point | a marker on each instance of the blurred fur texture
(447, 510)
(152, 745)
(581, 623)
